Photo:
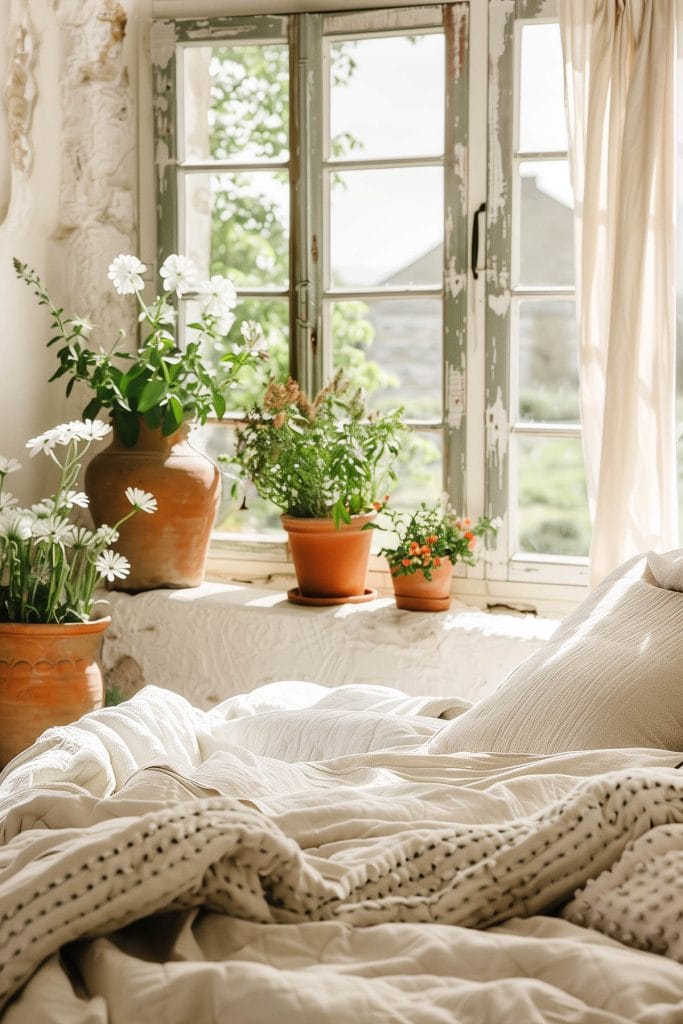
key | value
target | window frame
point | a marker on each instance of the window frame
(476, 360)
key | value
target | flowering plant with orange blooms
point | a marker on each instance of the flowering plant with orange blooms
(429, 535)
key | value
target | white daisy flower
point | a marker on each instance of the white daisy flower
(218, 297)
(105, 535)
(15, 525)
(7, 500)
(110, 565)
(82, 325)
(91, 430)
(72, 498)
(179, 273)
(82, 537)
(8, 465)
(124, 273)
(43, 508)
(143, 501)
(55, 529)
(43, 443)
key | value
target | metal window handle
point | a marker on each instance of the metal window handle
(475, 240)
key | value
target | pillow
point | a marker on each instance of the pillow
(667, 569)
(611, 676)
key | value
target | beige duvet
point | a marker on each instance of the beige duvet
(237, 879)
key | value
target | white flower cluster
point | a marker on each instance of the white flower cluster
(217, 295)
(39, 539)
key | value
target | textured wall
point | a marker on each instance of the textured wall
(68, 192)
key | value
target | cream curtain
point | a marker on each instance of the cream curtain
(620, 74)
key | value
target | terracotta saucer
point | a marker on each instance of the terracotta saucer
(296, 597)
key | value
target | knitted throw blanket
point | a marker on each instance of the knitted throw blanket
(61, 884)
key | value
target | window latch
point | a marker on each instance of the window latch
(475, 242)
(302, 303)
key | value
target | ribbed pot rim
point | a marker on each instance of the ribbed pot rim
(55, 628)
(299, 524)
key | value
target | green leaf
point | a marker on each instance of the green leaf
(219, 405)
(92, 408)
(173, 416)
(151, 394)
(340, 513)
(153, 417)
(127, 426)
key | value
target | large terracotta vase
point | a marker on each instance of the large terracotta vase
(415, 593)
(331, 563)
(48, 676)
(167, 548)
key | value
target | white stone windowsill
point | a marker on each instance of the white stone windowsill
(216, 640)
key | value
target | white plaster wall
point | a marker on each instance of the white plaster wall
(73, 209)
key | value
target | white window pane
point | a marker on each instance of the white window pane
(546, 224)
(392, 349)
(236, 102)
(542, 126)
(387, 97)
(548, 361)
(552, 503)
(419, 469)
(387, 227)
(238, 225)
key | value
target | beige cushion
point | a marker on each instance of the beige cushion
(611, 676)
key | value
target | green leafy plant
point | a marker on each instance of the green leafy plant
(324, 457)
(160, 382)
(428, 535)
(49, 565)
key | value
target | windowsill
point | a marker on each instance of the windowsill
(536, 585)
(210, 642)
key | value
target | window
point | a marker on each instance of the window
(332, 165)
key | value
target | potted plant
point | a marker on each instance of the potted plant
(427, 544)
(153, 395)
(323, 461)
(49, 569)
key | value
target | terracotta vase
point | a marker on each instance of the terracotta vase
(48, 676)
(167, 548)
(417, 594)
(331, 563)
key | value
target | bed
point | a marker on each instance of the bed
(308, 854)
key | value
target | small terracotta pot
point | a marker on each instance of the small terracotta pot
(48, 676)
(167, 548)
(330, 562)
(417, 594)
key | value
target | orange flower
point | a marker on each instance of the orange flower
(467, 521)
(471, 544)
(426, 559)
(414, 547)
(437, 562)
(432, 539)
(377, 505)
(425, 550)
(469, 535)
(406, 561)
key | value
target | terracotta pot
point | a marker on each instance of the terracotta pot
(417, 594)
(330, 562)
(167, 548)
(48, 676)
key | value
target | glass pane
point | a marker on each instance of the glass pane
(547, 224)
(387, 97)
(236, 102)
(243, 512)
(371, 243)
(552, 502)
(238, 225)
(548, 361)
(419, 468)
(273, 316)
(542, 122)
(392, 349)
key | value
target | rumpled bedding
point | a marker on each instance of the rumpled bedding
(295, 855)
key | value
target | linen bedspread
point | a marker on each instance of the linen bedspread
(198, 864)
